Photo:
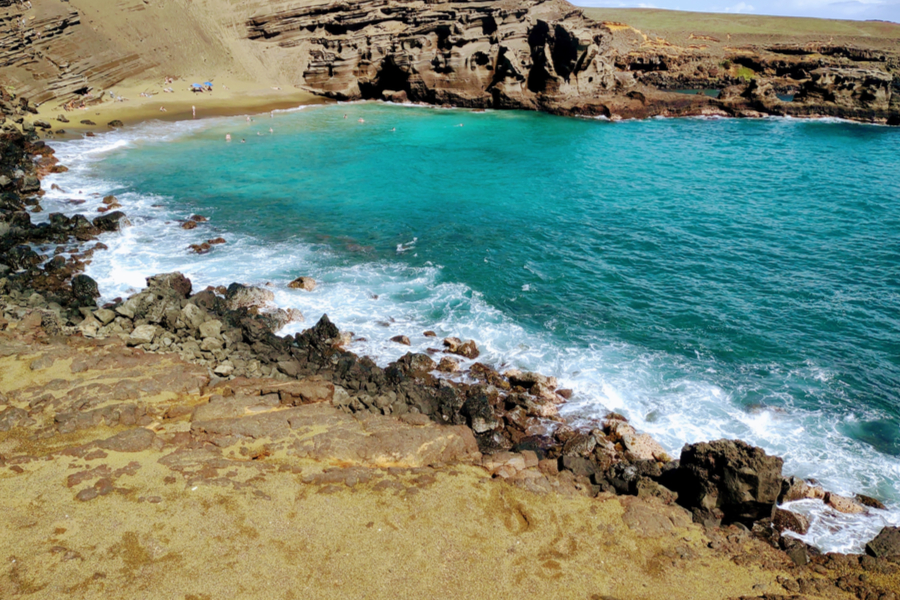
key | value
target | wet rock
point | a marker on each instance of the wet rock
(528, 380)
(794, 488)
(785, 520)
(85, 289)
(843, 504)
(30, 185)
(401, 339)
(189, 225)
(115, 123)
(22, 257)
(175, 282)
(731, 476)
(88, 122)
(40, 124)
(456, 346)
(242, 296)
(886, 543)
(869, 502)
(303, 283)
(448, 365)
(111, 222)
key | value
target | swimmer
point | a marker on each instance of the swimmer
(460, 125)
(393, 129)
(271, 130)
(361, 120)
(258, 133)
(227, 137)
(162, 109)
(345, 116)
(243, 141)
(249, 120)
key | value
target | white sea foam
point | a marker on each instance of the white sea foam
(381, 299)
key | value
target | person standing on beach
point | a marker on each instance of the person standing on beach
(194, 111)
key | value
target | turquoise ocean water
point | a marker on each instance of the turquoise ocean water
(707, 278)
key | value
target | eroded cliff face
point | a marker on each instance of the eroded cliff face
(523, 54)
(549, 56)
(530, 54)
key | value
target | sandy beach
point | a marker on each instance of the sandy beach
(228, 98)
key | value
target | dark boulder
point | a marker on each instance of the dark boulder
(85, 289)
(410, 365)
(320, 336)
(22, 257)
(886, 543)
(80, 223)
(55, 264)
(111, 222)
(60, 221)
(731, 478)
(479, 410)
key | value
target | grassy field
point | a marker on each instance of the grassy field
(674, 25)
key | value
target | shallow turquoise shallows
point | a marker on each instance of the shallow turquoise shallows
(709, 278)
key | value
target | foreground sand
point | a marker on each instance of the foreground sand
(129, 475)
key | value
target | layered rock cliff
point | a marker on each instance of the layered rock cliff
(468, 53)
(529, 54)
(547, 55)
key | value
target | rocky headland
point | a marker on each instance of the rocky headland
(175, 431)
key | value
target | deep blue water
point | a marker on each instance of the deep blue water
(708, 278)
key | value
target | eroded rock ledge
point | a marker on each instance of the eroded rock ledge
(548, 56)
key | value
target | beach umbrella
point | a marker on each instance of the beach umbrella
(207, 84)
(196, 86)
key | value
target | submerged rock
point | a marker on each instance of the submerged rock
(303, 283)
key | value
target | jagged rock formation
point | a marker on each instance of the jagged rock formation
(530, 54)
(549, 56)
(521, 54)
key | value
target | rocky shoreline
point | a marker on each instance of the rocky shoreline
(512, 416)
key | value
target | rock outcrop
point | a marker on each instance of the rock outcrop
(510, 54)
(728, 481)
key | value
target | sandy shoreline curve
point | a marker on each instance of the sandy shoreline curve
(238, 99)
